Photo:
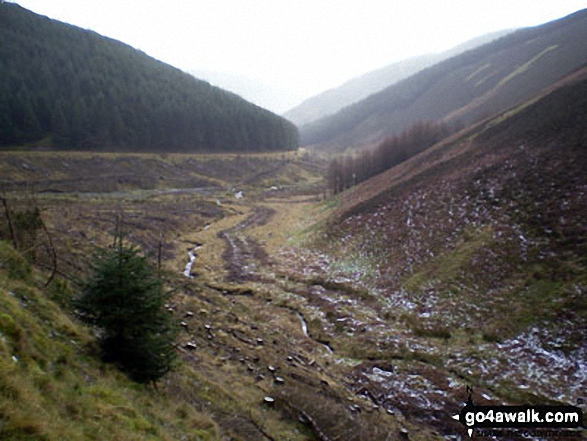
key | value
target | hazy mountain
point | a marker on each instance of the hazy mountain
(269, 97)
(462, 89)
(74, 89)
(354, 90)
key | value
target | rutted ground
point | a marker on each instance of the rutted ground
(403, 352)
(328, 323)
(242, 254)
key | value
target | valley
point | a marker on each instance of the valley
(269, 310)
(422, 250)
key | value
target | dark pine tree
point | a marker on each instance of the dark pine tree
(124, 298)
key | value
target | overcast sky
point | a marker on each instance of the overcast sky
(301, 47)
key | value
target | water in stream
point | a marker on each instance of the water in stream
(192, 256)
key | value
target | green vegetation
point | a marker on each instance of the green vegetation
(69, 88)
(524, 67)
(124, 298)
(303, 317)
(53, 388)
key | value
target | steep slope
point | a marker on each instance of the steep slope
(75, 89)
(333, 100)
(463, 89)
(53, 387)
(481, 241)
(540, 143)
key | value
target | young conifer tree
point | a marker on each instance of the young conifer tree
(125, 299)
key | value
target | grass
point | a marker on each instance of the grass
(524, 67)
(52, 387)
(448, 266)
(217, 392)
(107, 172)
(287, 216)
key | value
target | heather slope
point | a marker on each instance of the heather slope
(356, 89)
(463, 89)
(463, 266)
(484, 236)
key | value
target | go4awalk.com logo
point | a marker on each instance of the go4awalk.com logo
(519, 417)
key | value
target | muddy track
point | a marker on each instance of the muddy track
(397, 372)
(398, 389)
(243, 255)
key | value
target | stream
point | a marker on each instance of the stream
(304, 323)
(192, 258)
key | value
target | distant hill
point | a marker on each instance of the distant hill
(266, 95)
(74, 89)
(356, 89)
(462, 89)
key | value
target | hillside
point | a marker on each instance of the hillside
(59, 172)
(68, 88)
(53, 387)
(463, 89)
(356, 89)
(478, 247)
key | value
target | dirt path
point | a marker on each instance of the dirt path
(336, 321)
(243, 254)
